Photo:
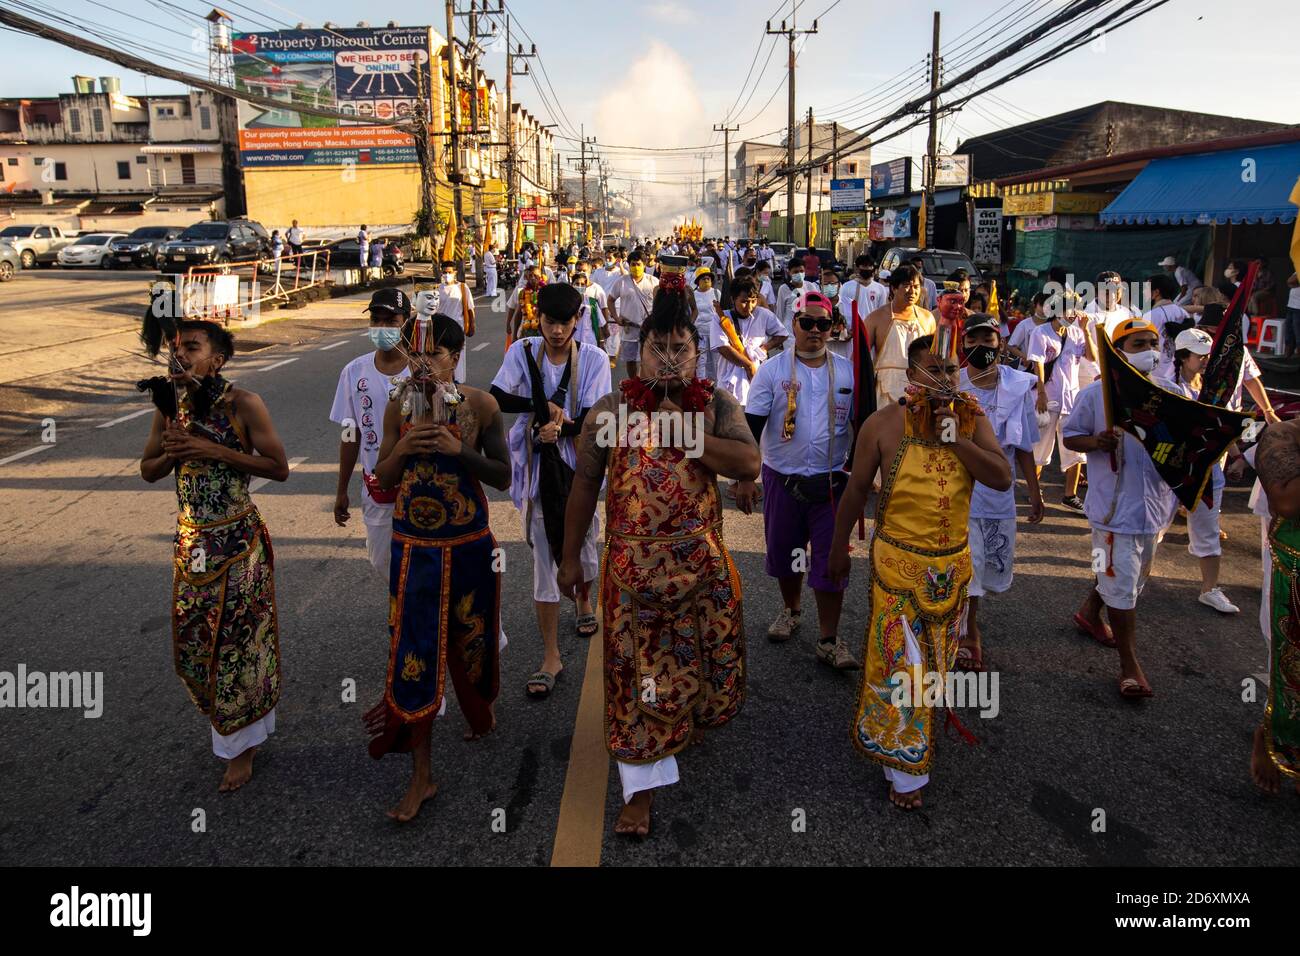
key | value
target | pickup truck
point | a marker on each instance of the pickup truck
(36, 245)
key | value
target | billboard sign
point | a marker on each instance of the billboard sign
(849, 220)
(988, 236)
(893, 178)
(528, 214)
(371, 73)
(951, 170)
(893, 224)
(848, 195)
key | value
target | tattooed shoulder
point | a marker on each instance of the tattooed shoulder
(729, 418)
(1278, 457)
(593, 453)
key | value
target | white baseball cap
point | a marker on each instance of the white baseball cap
(1196, 341)
(1169, 261)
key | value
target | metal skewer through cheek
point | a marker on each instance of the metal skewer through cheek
(667, 363)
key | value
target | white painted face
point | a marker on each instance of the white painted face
(424, 302)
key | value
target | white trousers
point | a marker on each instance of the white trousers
(379, 548)
(490, 277)
(1051, 437)
(636, 777)
(232, 745)
(545, 587)
(905, 782)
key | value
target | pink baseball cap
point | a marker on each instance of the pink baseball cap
(809, 302)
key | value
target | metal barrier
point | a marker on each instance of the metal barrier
(238, 290)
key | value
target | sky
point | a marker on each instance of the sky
(662, 72)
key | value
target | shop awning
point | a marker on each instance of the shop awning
(1239, 186)
(183, 148)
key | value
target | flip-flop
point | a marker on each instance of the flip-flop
(1131, 688)
(1099, 632)
(587, 626)
(970, 659)
(546, 679)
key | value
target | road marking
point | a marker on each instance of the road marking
(480, 346)
(258, 483)
(126, 418)
(277, 365)
(24, 454)
(580, 831)
(326, 348)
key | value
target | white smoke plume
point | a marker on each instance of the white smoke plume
(655, 104)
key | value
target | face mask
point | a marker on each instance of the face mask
(385, 339)
(981, 356)
(1230, 274)
(448, 278)
(1144, 361)
(796, 278)
(638, 272)
(831, 288)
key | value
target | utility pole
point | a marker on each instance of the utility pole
(704, 186)
(555, 194)
(428, 157)
(835, 150)
(726, 132)
(512, 193)
(932, 162)
(808, 177)
(582, 170)
(476, 139)
(456, 176)
(790, 33)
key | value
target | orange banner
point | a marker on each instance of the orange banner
(336, 137)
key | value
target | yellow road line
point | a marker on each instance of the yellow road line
(580, 831)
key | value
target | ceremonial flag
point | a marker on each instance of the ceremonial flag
(1295, 233)
(1222, 372)
(994, 307)
(449, 240)
(812, 229)
(864, 372)
(1183, 437)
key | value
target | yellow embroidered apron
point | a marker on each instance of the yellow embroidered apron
(920, 567)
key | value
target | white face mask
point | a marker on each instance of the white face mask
(1144, 361)
(448, 278)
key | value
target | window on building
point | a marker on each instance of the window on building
(142, 160)
(98, 116)
(13, 160)
(826, 168)
(2, 174)
(853, 169)
(205, 117)
(124, 169)
(762, 168)
(60, 170)
(74, 120)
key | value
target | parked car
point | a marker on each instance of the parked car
(781, 258)
(10, 261)
(938, 264)
(346, 254)
(89, 250)
(36, 245)
(142, 247)
(216, 242)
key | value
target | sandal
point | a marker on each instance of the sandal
(970, 659)
(587, 626)
(1133, 689)
(1099, 632)
(546, 679)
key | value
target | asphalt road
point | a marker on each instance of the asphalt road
(85, 547)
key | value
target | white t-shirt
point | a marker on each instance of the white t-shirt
(1020, 334)
(1046, 344)
(591, 379)
(1160, 316)
(489, 260)
(583, 331)
(1293, 298)
(753, 332)
(1186, 277)
(1145, 502)
(360, 398)
(1010, 409)
(786, 298)
(294, 236)
(806, 453)
(1108, 319)
(633, 299)
(868, 295)
(451, 302)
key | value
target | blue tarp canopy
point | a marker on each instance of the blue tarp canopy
(1238, 186)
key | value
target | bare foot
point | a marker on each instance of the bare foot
(238, 772)
(1262, 769)
(905, 801)
(470, 735)
(635, 818)
(414, 799)
(697, 737)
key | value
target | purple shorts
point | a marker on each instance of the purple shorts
(788, 525)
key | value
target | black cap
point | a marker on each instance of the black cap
(390, 300)
(981, 320)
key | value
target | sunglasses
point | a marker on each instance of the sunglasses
(808, 323)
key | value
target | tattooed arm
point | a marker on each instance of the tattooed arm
(593, 455)
(729, 448)
(490, 462)
(1278, 462)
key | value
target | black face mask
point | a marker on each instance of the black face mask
(981, 356)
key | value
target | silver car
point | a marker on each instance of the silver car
(89, 250)
(10, 261)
